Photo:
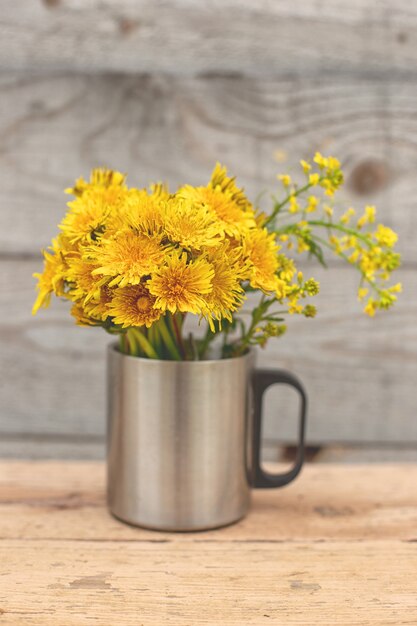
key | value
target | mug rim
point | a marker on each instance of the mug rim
(113, 348)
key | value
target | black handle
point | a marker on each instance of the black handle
(262, 379)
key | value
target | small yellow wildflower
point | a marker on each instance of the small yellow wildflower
(368, 217)
(312, 204)
(362, 293)
(321, 161)
(397, 288)
(281, 288)
(385, 236)
(305, 165)
(371, 307)
(295, 307)
(294, 207)
(347, 216)
(285, 179)
(314, 179)
(333, 164)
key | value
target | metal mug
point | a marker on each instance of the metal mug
(184, 439)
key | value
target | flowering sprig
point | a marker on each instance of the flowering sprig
(350, 238)
(138, 261)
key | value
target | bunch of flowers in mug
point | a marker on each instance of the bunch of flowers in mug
(137, 261)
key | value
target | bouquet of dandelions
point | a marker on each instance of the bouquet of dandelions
(137, 261)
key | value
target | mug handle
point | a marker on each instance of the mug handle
(261, 380)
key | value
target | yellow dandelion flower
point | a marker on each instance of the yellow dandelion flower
(220, 181)
(98, 307)
(179, 285)
(99, 178)
(232, 219)
(86, 219)
(133, 306)
(81, 317)
(227, 293)
(145, 212)
(189, 228)
(126, 257)
(260, 249)
(160, 191)
(52, 279)
(83, 284)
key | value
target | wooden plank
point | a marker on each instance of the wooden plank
(184, 37)
(337, 547)
(67, 446)
(359, 374)
(182, 583)
(331, 502)
(54, 128)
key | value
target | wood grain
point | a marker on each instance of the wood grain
(337, 547)
(329, 502)
(54, 128)
(184, 37)
(359, 373)
(179, 584)
(162, 90)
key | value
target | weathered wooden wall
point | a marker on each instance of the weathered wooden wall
(162, 90)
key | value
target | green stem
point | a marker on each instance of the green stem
(205, 342)
(193, 347)
(178, 336)
(140, 343)
(343, 256)
(295, 193)
(341, 228)
(257, 318)
(168, 340)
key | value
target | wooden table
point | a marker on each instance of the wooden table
(339, 546)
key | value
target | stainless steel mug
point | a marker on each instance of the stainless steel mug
(184, 439)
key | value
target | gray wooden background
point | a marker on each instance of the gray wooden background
(162, 89)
